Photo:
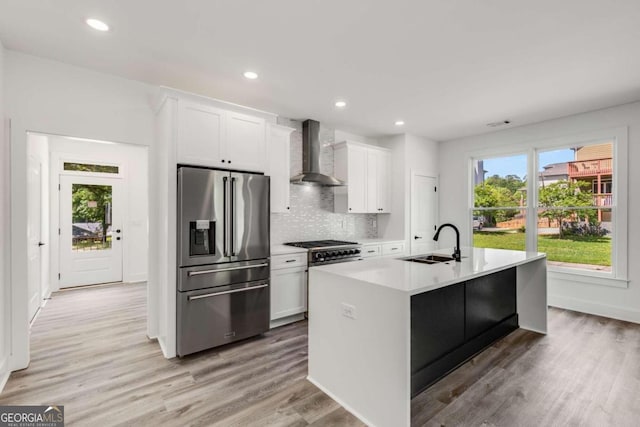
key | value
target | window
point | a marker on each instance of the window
(572, 210)
(575, 206)
(85, 167)
(500, 202)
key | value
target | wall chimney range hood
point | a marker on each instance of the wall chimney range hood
(311, 159)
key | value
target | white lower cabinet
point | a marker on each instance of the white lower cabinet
(370, 250)
(288, 289)
(383, 249)
(394, 248)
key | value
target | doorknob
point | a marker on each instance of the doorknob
(41, 244)
(417, 237)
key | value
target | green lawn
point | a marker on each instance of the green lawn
(574, 249)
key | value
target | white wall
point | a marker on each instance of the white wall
(614, 302)
(4, 234)
(133, 163)
(54, 98)
(409, 154)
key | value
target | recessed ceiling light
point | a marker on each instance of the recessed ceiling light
(399, 123)
(96, 24)
(341, 104)
(250, 75)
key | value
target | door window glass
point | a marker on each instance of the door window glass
(85, 167)
(91, 217)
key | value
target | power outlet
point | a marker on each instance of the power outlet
(349, 310)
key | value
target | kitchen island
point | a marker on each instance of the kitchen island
(382, 330)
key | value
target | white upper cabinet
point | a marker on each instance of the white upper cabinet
(383, 181)
(350, 165)
(201, 131)
(278, 143)
(366, 169)
(209, 136)
(245, 147)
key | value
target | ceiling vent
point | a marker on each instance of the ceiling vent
(496, 124)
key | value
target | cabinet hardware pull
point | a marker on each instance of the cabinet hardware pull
(244, 267)
(370, 251)
(215, 294)
(290, 260)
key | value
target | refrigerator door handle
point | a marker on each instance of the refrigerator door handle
(220, 270)
(225, 209)
(233, 217)
(215, 294)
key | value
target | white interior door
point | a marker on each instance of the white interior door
(90, 230)
(34, 231)
(424, 208)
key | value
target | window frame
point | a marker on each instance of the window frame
(618, 277)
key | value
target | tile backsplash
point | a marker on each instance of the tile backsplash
(312, 215)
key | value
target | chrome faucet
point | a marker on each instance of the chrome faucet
(456, 251)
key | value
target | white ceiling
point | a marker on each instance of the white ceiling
(445, 67)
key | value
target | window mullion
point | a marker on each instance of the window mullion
(531, 237)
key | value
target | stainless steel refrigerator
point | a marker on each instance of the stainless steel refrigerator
(223, 257)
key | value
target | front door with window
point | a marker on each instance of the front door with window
(90, 230)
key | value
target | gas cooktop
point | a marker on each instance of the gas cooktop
(316, 244)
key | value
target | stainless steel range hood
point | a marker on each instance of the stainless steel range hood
(311, 159)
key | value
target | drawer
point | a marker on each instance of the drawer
(393, 248)
(370, 250)
(289, 261)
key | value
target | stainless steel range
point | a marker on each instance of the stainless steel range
(323, 252)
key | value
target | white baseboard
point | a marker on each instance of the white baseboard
(167, 354)
(340, 402)
(4, 372)
(286, 320)
(589, 307)
(135, 278)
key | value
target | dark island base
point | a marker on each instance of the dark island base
(437, 369)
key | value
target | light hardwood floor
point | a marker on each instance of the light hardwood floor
(90, 353)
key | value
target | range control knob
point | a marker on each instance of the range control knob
(356, 251)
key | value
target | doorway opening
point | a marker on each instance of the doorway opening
(87, 214)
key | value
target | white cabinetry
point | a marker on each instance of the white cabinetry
(366, 170)
(383, 249)
(201, 130)
(245, 146)
(383, 181)
(278, 142)
(210, 136)
(288, 288)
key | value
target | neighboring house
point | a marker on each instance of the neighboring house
(594, 164)
(554, 172)
(88, 230)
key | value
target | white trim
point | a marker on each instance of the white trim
(179, 95)
(340, 402)
(4, 373)
(585, 277)
(596, 309)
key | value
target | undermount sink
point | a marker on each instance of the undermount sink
(429, 259)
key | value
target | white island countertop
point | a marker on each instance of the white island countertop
(415, 277)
